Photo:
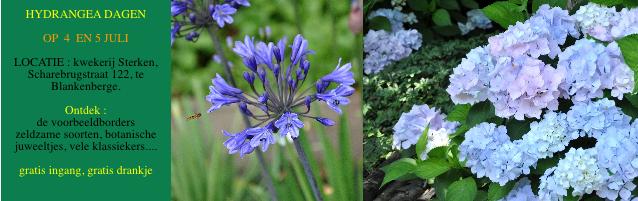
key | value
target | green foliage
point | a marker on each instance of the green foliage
(431, 168)
(380, 23)
(479, 112)
(398, 169)
(462, 190)
(608, 2)
(422, 142)
(441, 17)
(496, 191)
(628, 46)
(504, 13)
(420, 78)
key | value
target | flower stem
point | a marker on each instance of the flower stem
(212, 31)
(306, 167)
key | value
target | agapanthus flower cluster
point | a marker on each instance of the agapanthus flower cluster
(396, 17)
(411, 126)
(510, 73)
(592, 67)
(275, 100)
(383, 48)
(194, 16)
(606, 24)
(475, 19)
(489, 151)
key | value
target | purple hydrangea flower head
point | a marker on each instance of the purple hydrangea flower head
(411, 126)
(596, 21)
(383, 48)
(222, 14)
(275, 97)
(470, 81)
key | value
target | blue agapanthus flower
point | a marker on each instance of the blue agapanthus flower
(195, 17)
(275, 100)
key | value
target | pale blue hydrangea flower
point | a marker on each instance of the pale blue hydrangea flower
(479, 148)
(411, 125)
(547, 136)
(560, 24)
(596, 20)
(522, 191)
(383, 48)
(592, 67)
(475, 19)
(616, 152)
(578, 170)
(626, 24)
(470, 81)
(523, 87)
(593, 118)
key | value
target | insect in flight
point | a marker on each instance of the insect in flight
(194, 116)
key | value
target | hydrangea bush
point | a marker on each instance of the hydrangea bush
(545, 111)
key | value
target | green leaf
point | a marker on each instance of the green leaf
(496, 191)
(449, 4)
(504, 13)
(479, 112)
(633, 99)
(480, 196)
(570, 197)
(629, 51)
(420, 5)
(470, 4)
(431, 168)
(462, 190)
(631, 3)
(551, 3)
(516, 129)
(607, 2)
(422, 142)
(459, 113)
(441, 17)
(397, 169)
(380, 23)
(450, 30)
(438, 153)
(544, 164)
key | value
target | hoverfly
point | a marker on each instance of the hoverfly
(194, 116)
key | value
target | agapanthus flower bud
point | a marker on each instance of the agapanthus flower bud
(307, 102)
(249, 77)
(263, 98)
(237, 3)
(321, 86)
(299, 49)
(192, 36)
(262, 74)
(192, 17)
(178, 7)
(325, 121)
(264, 54)
(244, 109)
(175, 32)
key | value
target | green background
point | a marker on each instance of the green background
(26, 100)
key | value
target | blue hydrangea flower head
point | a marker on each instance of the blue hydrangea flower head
(411, 126)
(274, 98)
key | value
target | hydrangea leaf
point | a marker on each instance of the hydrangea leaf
(608, 2)
(516, 129)
(631, 3)
(419, 5)
(459, 113)
(480, 196)
(504, 13)
(544, 164)
(449, 4)
(380, 23)
(398, 169)
(450, 30)
(470, 4)
(628, 46)
(422, 142)
(462, 190)
(441, 17)
(438, 153)
(431, 168)
(551, 3)
(496, 191)
(479, 112)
